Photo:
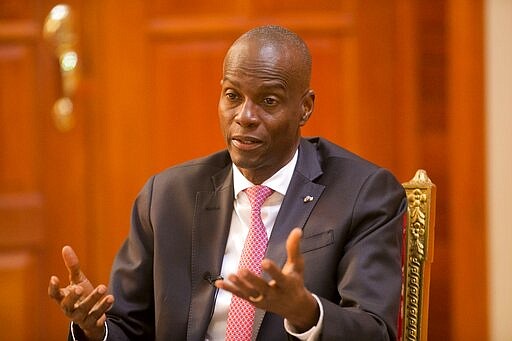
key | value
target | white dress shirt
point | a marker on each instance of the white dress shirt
(240, 222)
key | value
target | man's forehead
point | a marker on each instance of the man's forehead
(268, 63)
(259, 82)
(265, 62)
(247, 50)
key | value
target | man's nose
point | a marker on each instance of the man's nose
(247, 115)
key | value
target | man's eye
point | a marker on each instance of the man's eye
(270, 101)
(231, 96)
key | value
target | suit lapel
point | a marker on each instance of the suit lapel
(300, 199)
(212, 218)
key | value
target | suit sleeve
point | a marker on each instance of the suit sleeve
(369, 270)
(131, 282)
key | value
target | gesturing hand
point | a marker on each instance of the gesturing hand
(80, 301)
(285, 294)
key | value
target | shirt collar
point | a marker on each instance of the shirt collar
(279, 182)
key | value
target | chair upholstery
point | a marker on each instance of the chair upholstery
(418, 254)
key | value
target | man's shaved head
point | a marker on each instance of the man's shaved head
(289, 45)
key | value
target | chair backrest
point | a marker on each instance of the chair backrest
(418, 254)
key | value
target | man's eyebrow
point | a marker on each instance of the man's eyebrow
(227, 79)
(229, 83)
(271, 84)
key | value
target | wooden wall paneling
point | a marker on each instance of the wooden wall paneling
(18, 274)
(18, 136)
(17, 10)
(334, 80)
(178, 8)
(431, 126)
(63, 172)
(301, 8)
(119, 155)
(65, 208)
(376, 101)
(407, 91)
(466, 170)
(186, 75)
(21, 197)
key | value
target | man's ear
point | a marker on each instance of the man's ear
(308, 103)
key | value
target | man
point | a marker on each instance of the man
(181, 273)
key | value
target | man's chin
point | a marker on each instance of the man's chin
(244, 161)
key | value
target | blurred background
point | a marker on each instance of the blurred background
(407, 84)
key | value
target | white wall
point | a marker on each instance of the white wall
(499, 164)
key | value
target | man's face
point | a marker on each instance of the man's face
(261, 109)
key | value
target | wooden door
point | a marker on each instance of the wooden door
(147, 98)
(42, 175)
(21, 198)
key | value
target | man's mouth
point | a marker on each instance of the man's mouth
(245, 142)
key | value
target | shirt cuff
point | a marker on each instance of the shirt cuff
(311, 334)
(80, 332)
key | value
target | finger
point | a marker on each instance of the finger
(73, 265)
(82, 308)
(237, 282)
(236, 285)
(96, 316)
(71, 298)
(277, 275)
(294, 261)
(229, 284)
(251, 284)
(54, 289)
(293, 245)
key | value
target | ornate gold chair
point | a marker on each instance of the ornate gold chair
(418, 255)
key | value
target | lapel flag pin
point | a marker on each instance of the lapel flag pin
(308, 198)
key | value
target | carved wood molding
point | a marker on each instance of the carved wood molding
(18, 30)
(191, 26)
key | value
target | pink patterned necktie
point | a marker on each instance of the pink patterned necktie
(241, 312)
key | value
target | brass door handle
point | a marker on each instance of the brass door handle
(59, 30)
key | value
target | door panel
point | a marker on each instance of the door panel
(21, 192)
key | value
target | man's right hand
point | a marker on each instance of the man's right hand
(80, 301)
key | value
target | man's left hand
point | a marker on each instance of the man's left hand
(285, 293)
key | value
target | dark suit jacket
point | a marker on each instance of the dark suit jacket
(351, 244)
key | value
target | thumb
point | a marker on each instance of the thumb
(294, 260)
(76, 276)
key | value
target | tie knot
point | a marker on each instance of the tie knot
(257, 195)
